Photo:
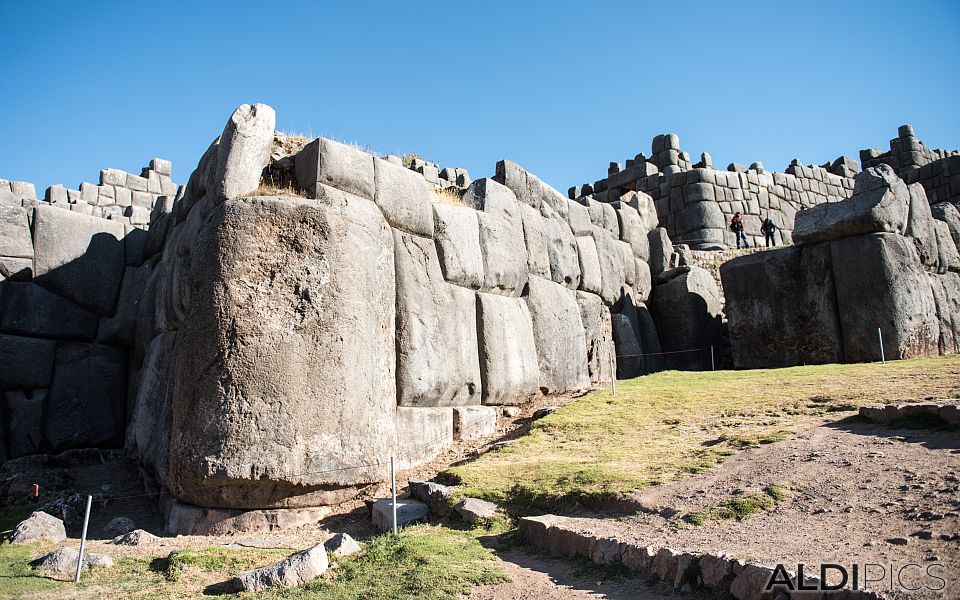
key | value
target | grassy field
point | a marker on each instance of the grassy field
(431, 562)
(663, 426)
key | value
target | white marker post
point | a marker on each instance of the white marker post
(613, 373)
(83, 539)
(713, 366)
(883, 358)
(393, 490)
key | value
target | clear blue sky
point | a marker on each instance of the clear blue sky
(561, 88)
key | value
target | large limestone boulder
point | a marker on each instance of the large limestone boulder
(948, 308)
(782, 310)
(422, 434)
(244, 151)
(508, 356)
(502, 242)
(880, 203)
(30, 310)
(687, 311)
(16, 243)
(457, 234)
(79, 257)
(437, 362)
(63, 561)
(920, 226)
(947, 343)
(86, 404)
(881, 284)
(948, 213)
(590, 280)
(561, 250)
(284, 366)
(948, 258)
(598, 334)
(404, 197)
(661, 249)
(534, 234)
(121, 328)
(25, 421)
(558, 337)
(328, 162)
(612, 273)
(148, 432)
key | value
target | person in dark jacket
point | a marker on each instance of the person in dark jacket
(736, 226)
(769, 228)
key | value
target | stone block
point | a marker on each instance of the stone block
(578, 217)
(408, 512)
(15, 236)
(558, 337)
(687, 310)
(589, 264)
(338, 165)
(598, 334)
(26, 363)
(79, 257)
(422, 434)
(437, 363)
(25, 418)
(86, 404)
(660, 250)
(502, 243)
(534, 235)
(508, 356)
(404, 198)
(457, 235)
(881, 284)
(782, 309)
(243, 152)
(28, 309)
(120, 329)
(612, 275)
(470, 422)
(562, 251)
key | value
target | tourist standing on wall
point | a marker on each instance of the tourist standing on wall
(736, 226)
(769, 229)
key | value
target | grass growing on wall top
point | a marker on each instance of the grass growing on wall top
(667, 425)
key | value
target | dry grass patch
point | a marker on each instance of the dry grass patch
(449, 196)
(665, 426)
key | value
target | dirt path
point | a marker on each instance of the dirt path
(858, 493)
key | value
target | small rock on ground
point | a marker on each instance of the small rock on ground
(472, 510)
(293, 571)
(408, 511)
(64, 561)
(39, 526)
(137, 537)
(119, 525)
(342, 545)
(542, 412)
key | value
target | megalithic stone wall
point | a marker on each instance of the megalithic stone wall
(71, 276)
(290, 343)
(876, 265)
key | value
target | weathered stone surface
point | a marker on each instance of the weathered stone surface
(948, 258)
(86, 404)
(502, 241)
(15, 236)
(920, 225)
(947, 339)
(473, 510)
(716, 572)
(79, 257)
(470, 422)
(437, 362)
(28, 309)
(408, 511)
(422, 434)
(266, 270)
(782, 308)
(404, 198)
(331, 163)
(558, 336)
(948, 213)
(39, 526)
(951, 304)
(291, 572)
(880, 284)
(434, 495)
(137, 537)
(342, 545)
(25, 421)
(561, 250)
(121, 328)
(27, 363)
(880, 203)
(578, 217)
(643, 283)
(660, 250)
(590, 280)
(612, 275)
(598, 334)
(751, 583)
(457, 234)
(534, 234)
(120, 525)
(687, 310)
(63, 561)
(186, 519)
(244, 150)
(508, 356)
